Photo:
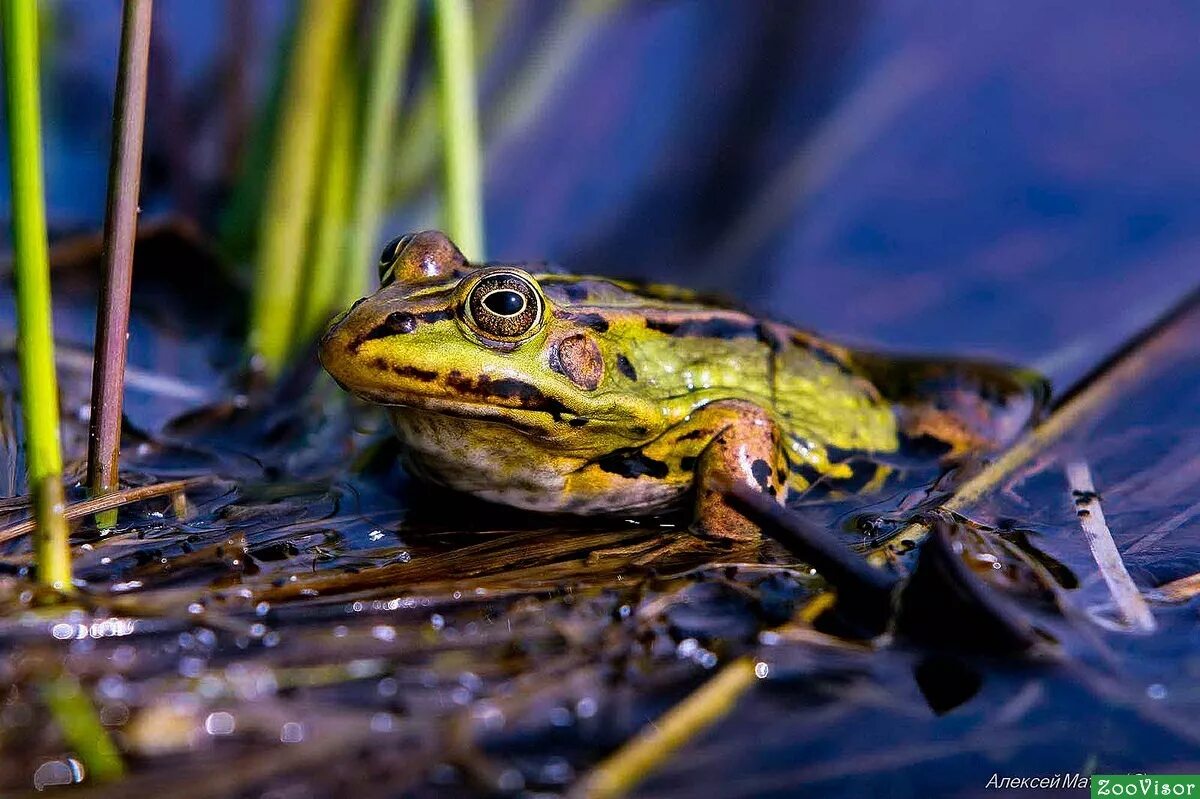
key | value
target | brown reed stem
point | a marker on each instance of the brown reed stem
(120, 233)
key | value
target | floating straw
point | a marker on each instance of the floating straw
(1129, 600)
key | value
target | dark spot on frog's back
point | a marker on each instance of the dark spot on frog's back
(593, 321)
(705, 327)
(626, 368)
(632, 463)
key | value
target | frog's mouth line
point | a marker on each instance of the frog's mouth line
(512, 416)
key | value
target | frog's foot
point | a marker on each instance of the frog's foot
(747, 453)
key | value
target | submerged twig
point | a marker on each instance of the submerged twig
(120, 233)
(39, 384)
(1091, 518)
(79, 510)
(81, 729)
(656, 742)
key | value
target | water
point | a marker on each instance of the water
(958, 181)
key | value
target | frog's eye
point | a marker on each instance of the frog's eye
(391, 252)
(505, 305)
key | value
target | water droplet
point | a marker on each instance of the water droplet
(220, 723)
(53, 772)
(585, 708)
(291, 733)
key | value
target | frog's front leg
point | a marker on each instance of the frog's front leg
(745, 450)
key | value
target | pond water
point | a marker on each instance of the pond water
(954, 180)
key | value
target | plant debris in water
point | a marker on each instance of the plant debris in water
(308, 619)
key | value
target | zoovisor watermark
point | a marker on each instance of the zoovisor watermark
(1146, 785)
(1107, 785)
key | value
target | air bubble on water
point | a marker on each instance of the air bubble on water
(437, 622)
(291, 733)
(387, 687)
(761, 670)
(1157, 691)
(382, 722)
(384, 632)
(585, 708)
(220, 723)
(51, 773)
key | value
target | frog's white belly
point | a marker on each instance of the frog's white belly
(503, 467)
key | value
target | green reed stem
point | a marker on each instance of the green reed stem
(327, 256)
(385, 79)
(290, 195)
(81, 728)
(463, 191)
(35, 331)
(120, 232)
(416, 144)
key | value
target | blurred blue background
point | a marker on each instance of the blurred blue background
(1019, 180)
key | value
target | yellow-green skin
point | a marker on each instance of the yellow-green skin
(623, 400)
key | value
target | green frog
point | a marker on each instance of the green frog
(589, 395)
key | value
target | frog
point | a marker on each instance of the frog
(585, 395)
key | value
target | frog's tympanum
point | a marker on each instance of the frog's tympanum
(589, 395)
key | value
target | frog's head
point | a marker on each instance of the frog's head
(485, 342)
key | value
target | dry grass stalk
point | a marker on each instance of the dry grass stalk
(1129, 600)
